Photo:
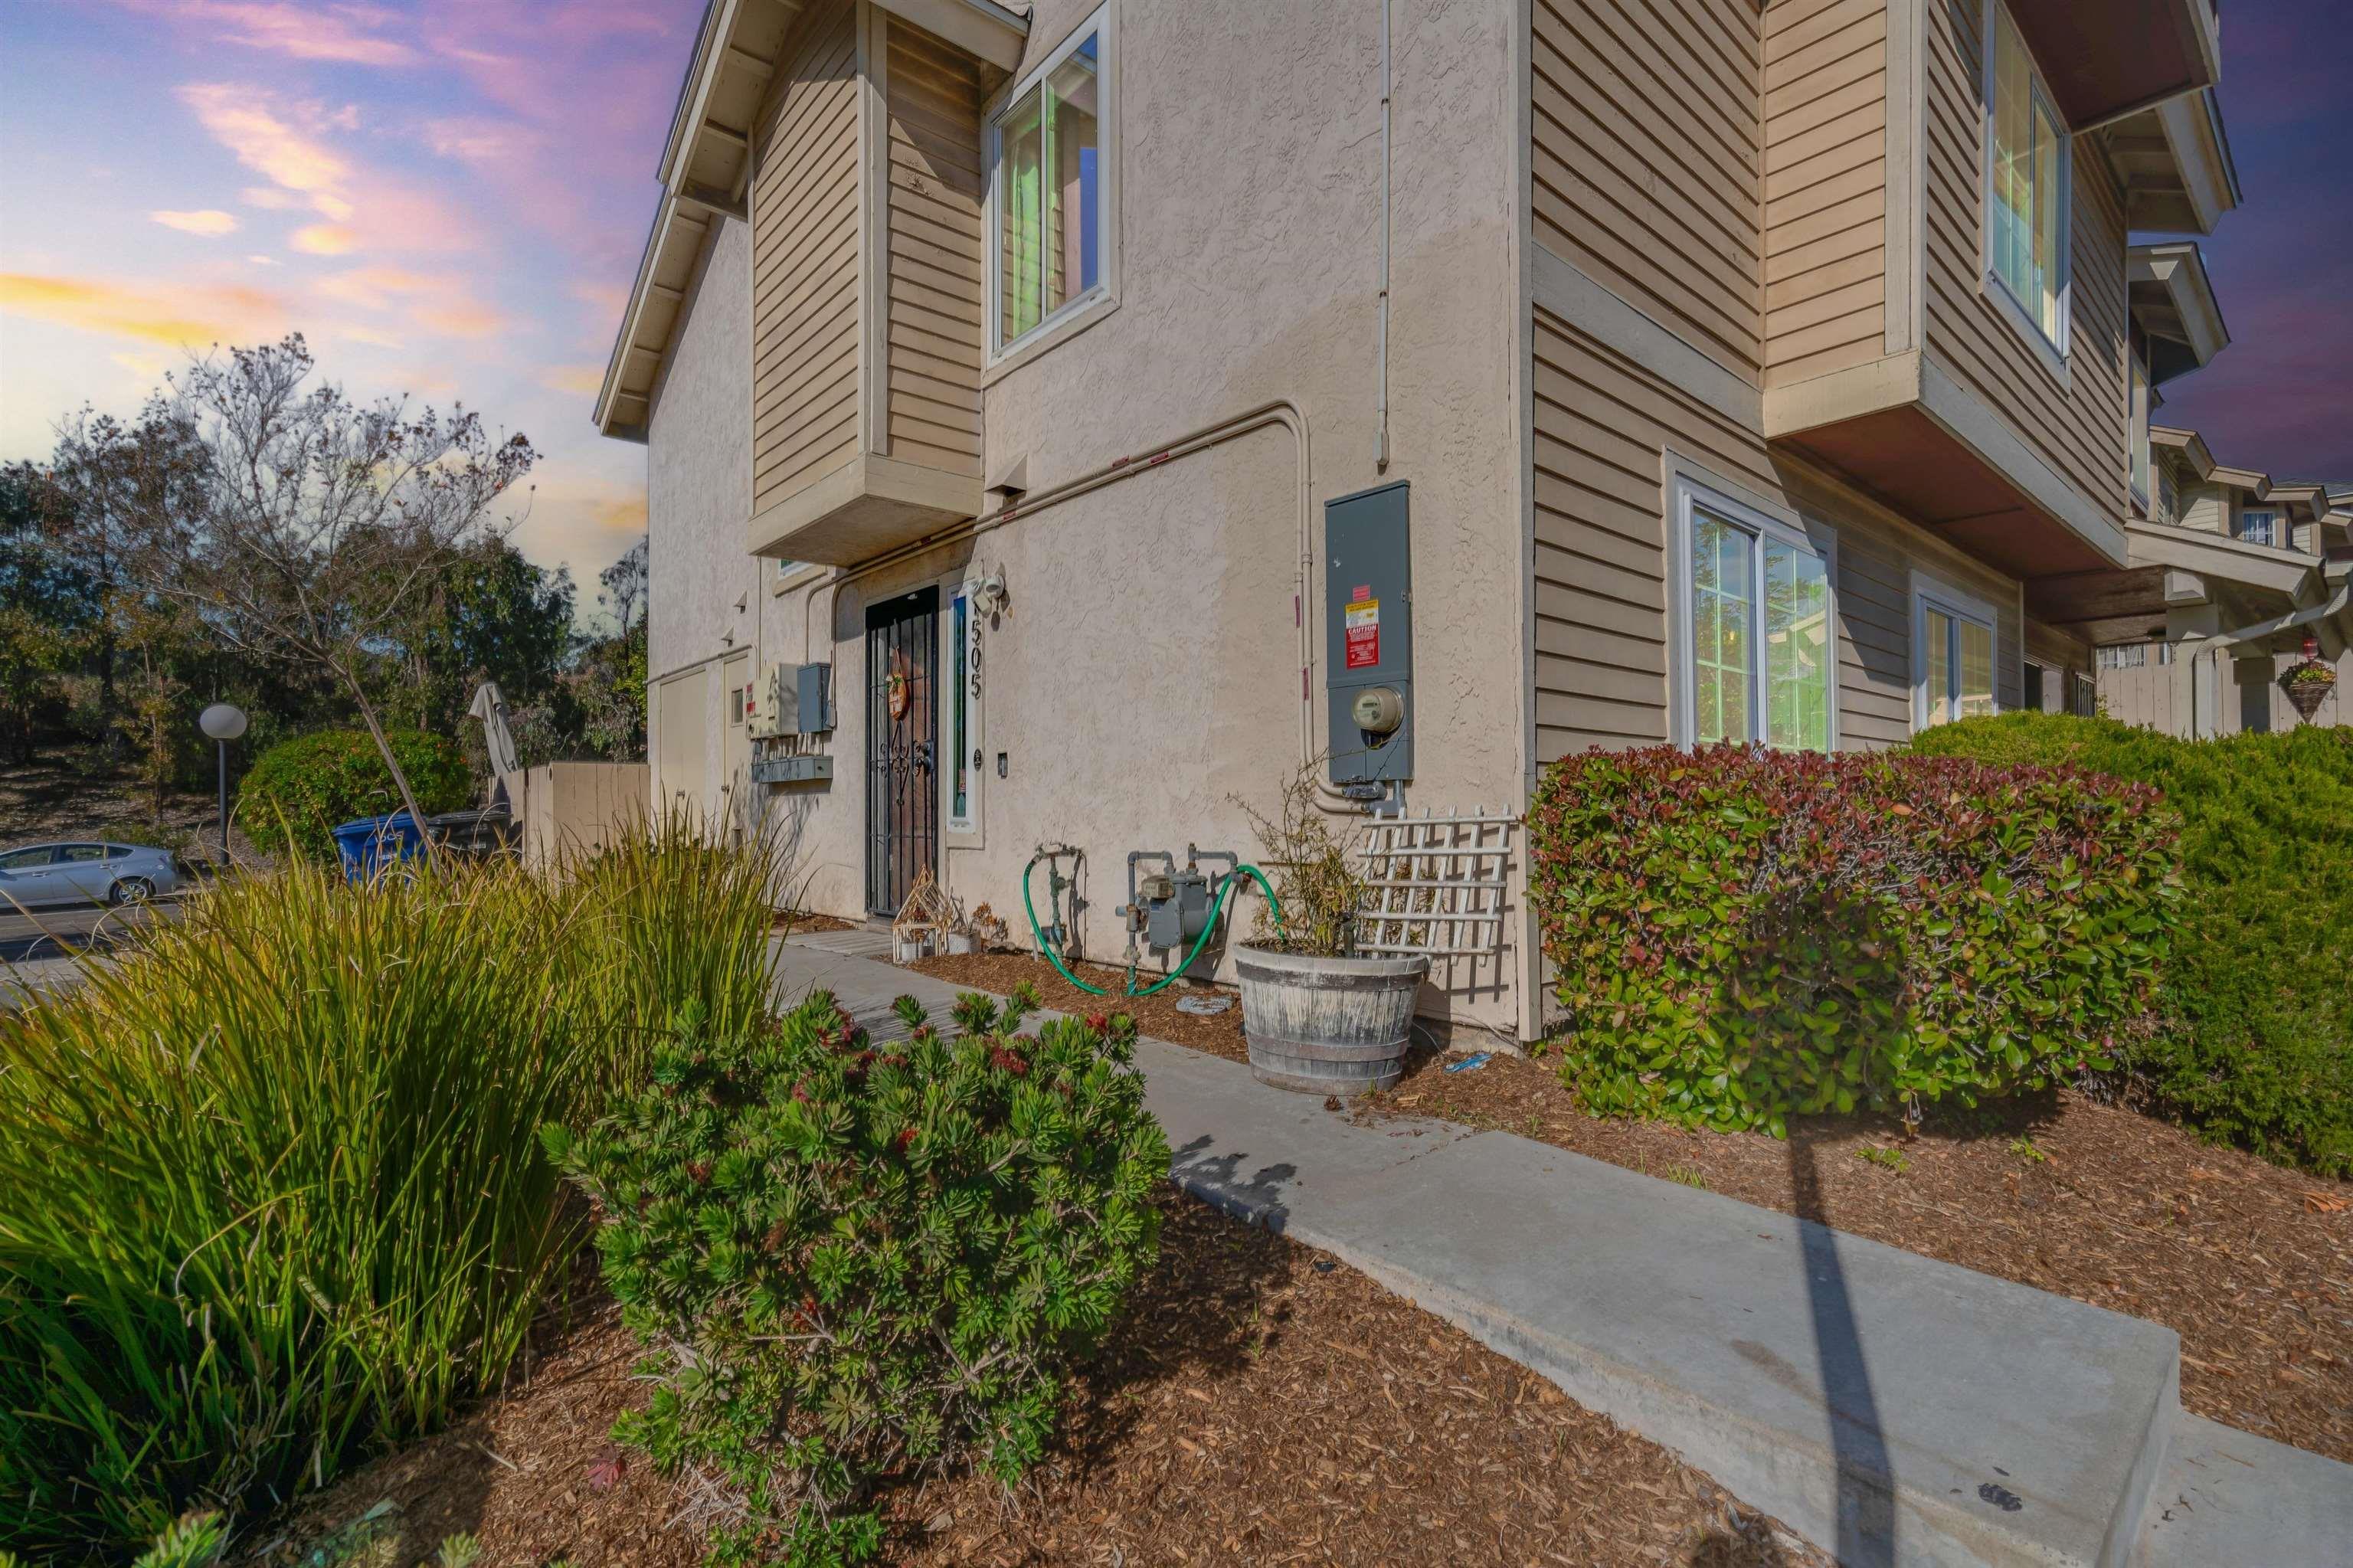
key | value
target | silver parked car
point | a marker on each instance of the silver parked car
(84, 873)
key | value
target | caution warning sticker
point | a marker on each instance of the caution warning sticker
(1364, 632)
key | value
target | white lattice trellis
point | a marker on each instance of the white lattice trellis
(1434, 884)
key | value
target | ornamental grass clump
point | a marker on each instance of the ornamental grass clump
(271, 1191)
(1743, 936)
(852, 1260)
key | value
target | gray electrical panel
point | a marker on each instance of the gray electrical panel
(816, 682)
(804, 699)
(1368, 635)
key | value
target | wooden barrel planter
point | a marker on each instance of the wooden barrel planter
(1328, 1026)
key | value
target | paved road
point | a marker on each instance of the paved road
(36, 949)
(50, 933)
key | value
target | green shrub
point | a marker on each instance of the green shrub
(1739, 936)
(271, 1191)
(321, 780)
(852, 1260)
(2257, 1047)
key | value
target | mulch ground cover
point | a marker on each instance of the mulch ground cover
(1261, 1404)
(2251, 1265)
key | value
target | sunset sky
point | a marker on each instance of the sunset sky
(450, 196)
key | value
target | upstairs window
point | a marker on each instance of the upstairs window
(2261, 525)
(2027, 173)
(1049, 195)
(2168, 495)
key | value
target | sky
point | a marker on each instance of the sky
(448, 198)
(2280, 399)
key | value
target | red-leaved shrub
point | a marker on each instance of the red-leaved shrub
(1738, 936)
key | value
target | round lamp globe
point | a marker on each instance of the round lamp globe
(222, 721)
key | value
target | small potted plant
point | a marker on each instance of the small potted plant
(1317, 1017)
(2308, 685)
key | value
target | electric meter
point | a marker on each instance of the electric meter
(1378, 710)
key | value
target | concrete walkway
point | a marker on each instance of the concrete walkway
(1890, 1407)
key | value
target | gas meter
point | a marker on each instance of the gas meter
(1169, 908)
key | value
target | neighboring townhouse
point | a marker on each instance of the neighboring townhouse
(1121, 405)
(2223, 600)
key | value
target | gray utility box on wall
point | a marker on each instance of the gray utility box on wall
(1368, 635)
(807, 770)
(804, 699)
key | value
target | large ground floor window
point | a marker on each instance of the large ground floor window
(1755, 657)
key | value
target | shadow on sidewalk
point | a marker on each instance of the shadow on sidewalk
(1866, 1479)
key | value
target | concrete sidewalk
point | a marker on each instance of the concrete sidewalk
(1888, 1407)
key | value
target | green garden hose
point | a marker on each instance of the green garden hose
(1216, 913)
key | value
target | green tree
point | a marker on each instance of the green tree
(48, 606)
(488, 615)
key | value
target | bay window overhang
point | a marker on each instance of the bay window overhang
(2106, 59)
(1905, 430)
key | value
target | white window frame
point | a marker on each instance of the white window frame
(1933, 593)
(964, 825)
(2271, 514)
(1690, 490)
(1083, 310)
(2054, 353)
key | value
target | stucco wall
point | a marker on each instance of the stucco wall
(1147, 669)
(697, 491)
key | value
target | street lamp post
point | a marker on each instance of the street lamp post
(223, 722)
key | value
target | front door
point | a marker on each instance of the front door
(903, 637)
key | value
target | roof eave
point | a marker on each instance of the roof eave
(2177, 268)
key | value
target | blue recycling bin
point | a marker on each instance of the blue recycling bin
(370, 844)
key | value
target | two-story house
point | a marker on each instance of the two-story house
(1128, 402)
(2232, 578)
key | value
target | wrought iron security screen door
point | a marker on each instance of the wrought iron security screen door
(902, 796)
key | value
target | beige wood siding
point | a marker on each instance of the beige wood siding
(1647, 155)
(1602, 424)
(1825, 186)
(805, 316)
(935, 291)
(2079, 426)
(2056, 649)
(2206, 507)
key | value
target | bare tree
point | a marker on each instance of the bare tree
(625, 587)
(301, 526)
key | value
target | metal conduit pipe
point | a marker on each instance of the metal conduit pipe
(1281, 412)
(1381, 452)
